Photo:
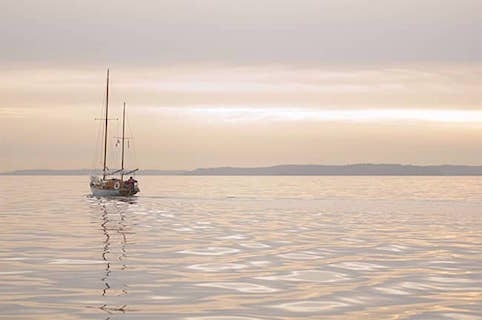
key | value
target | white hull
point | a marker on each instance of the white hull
(112, 187)
(104, 192)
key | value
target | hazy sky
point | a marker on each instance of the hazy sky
(242, 83)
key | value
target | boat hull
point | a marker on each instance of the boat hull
(104, 192)
(98, 192)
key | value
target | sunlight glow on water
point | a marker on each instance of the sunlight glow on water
(243, 248)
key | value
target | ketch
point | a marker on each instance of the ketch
(108, 184)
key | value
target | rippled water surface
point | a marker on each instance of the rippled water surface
(234, 248)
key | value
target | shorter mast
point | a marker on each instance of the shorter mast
(106, 123)
(123, 139)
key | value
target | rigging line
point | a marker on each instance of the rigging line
(115, 153)
(102, 112)
(134, 153)
(96, 158)
(106, 124)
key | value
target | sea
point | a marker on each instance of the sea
(242, 248)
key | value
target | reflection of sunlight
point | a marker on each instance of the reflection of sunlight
(326, 115)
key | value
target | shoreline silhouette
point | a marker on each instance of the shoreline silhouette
(291, 170)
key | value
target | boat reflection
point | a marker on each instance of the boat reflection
(115, 228)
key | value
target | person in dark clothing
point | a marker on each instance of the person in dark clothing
(131, 183)
(132, 180)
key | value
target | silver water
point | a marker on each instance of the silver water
(243, 248)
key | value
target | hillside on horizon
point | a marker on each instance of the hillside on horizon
(292, 170)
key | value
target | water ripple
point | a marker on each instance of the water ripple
(243, 248)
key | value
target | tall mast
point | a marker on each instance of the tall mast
(123, 139)
(106, 122)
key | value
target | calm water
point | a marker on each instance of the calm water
(243, 248)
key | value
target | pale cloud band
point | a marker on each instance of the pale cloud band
(412, 86)
(305, 114)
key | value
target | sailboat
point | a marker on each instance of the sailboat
(108, 184)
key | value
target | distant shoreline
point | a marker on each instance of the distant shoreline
(287, 170)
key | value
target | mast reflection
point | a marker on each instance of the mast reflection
(114, 226)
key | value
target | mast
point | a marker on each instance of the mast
(106, 122)
(123, 139)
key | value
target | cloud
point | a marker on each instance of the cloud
(266, 115)
(239, 32)
(408, 86)
(319, 77)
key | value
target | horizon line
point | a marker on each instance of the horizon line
(285, 169)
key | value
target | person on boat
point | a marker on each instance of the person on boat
(130, 183)
(132, 180)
